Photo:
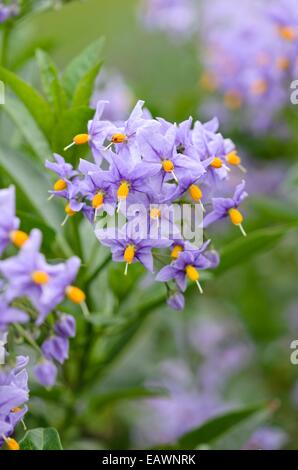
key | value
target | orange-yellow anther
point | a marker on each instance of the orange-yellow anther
(98, 200)
(259, 87)
(195, 192)
(168, 166)
(40, 277)
(192, 273)
(123, 190)
(235, 216)
(12, 444)
(16, 409)
(288, 33)
(155, 213)
(216, 163)
(81, 139)
(208, 81)
(119, 138)
(75, 295)
(129, 254)
(60, 185)
(68, 210)
(282, 63)
(177, 249)
(18, 238)
(233, 158)
(233, 100)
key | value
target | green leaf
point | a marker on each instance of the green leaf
(51, 81)
(71, 122)
(133, 393)
(216, 428)
(81, 65)
(41, 439)
(85, 87)
(34, 102)
(32, 181)
(28, 127)
(244, 248)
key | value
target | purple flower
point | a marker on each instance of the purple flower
(224, 207)
(187, 266)
(8, 221)
(13, 394)
(9, 315)
(176, 301)
(66, 326)
(66, 174)
(8, 11)
(28, 274)
(46, 373)
(126, 248)
(267, 438)
(56, 348)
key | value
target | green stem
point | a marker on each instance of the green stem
(95, 273)
(22, 332)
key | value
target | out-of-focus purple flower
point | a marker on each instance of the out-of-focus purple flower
(177, 18)
(55, 348)
(8, 11)
(112, 87)
(176, 301)
(66, 326)
(13, 394)
(267, 438)
(46, 373)
(8, 221)
(9, 315)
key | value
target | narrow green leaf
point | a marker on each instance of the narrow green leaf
(216, 427)
(244, 248)
(34, 102)
(133, 393)
(85, 87)
(41, 439)
(28, 127)
(50, 80)
(79, 67)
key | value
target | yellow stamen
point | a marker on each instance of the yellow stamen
(123, 190)
(18, 238)
(68, 210)
(16, 409)
(75, 295)
(233, 100)
(235, 216)
(12, 444)
(168, 166)
(259, 87)
(192, 273)
(282, 63)
(119, 138)
(79, 139)
(216, 163)
(98, 200)
(155, 213)
(233, 158)
(40, 277)
(287, 32)
(60, 185)
(129, 254)
(177, 249)
(195, 192)
(208, 81)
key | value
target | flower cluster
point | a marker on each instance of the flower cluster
(251, 57)
(31, 288)
(143, 170)
(175, 17)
